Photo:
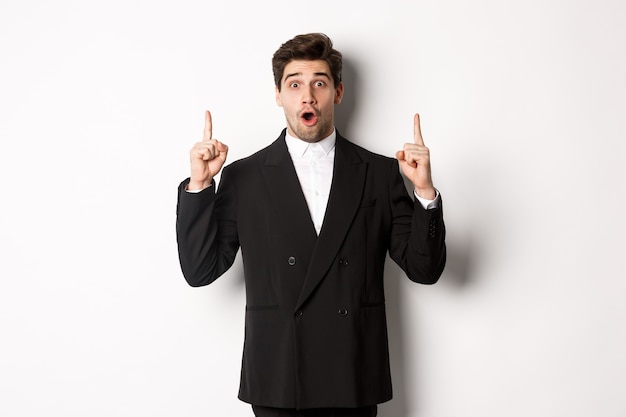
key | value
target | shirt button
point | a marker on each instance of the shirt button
(343, 312)
(343, 262)
(291, 261)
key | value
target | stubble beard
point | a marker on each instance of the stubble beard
(312, 134)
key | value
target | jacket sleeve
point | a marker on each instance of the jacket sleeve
(417, 242)
(206, 232)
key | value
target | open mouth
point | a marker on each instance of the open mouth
(309, 118)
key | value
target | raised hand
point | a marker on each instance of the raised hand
(414, 160)
(207, 157)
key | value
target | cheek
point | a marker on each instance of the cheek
(287, 102)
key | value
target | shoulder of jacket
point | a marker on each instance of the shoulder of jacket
(255, 158)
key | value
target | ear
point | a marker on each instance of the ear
(339, 93)
(278, 100)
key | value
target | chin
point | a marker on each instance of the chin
(310, 136)
(311, 139)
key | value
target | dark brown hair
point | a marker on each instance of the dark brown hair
(310, 47)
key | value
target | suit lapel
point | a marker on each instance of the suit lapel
(286, 193)
(344, 200)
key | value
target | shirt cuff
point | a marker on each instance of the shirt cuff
(426, 203)
(196, 191)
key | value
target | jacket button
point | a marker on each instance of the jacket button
(291, 261)
(343, 262)
(343, 312)
(299, 313)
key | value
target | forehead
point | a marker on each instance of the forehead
(304, 68)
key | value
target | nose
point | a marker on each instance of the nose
(307, 96)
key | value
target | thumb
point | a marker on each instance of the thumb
(222, 150)
(222, 147)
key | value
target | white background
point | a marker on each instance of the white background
(523, 107)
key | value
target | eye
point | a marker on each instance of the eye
(293, 85)
(320, 83)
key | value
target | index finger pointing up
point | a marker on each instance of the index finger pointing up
(417, 131)
(208, 127)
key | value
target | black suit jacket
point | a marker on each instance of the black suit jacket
(315, 326)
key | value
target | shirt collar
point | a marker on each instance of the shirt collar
(298, 147)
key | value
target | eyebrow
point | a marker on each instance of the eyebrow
(296, 74)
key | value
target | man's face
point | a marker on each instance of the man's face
(308, 98)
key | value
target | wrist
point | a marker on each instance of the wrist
(198, 185)
(428, 193)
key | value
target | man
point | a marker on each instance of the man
(314, 216)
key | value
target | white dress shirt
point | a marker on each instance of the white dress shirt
(314, 163)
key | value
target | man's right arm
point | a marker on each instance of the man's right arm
(206, 234)
(207, 241)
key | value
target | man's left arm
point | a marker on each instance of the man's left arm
(421, 253)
